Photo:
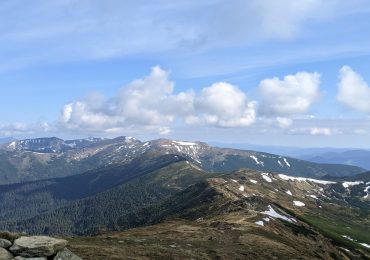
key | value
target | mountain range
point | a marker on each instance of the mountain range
(43, 158)
(176, 199)
(350, 157)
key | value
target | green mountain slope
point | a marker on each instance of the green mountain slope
(48, 158)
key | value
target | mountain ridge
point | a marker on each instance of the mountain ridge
(43, 158)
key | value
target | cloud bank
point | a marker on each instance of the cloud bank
(151, 103)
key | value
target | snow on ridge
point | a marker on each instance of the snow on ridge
(367, 190)
(12, 145)
(260, 223)
(280, 163)
(291, 178)
(349, 238)
(256, 160)
(365, 245)
(253, 181)
(347, 184)
(298, 203)
(272, 213)
(185, 143)
(266, 177)
(286, 162)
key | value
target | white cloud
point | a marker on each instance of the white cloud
(353, 91)
(284, 122)
(291, 96)
(321, 131)
(150, 103)
(360, 131)
(147, 102)
(316, 131)
(224, 105)
(18, 128)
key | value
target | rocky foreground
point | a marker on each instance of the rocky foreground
(14, 246)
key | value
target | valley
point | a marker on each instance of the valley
(176, 199)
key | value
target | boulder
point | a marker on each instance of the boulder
(5, 254)
(9, 236)
(29, 258)
(37, 246)
(4, 243)
(65, 254)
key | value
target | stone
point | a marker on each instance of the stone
(4, 243)
(5, 254)
(9, 236)
(65, 254)
(37, 246)
(29, 258)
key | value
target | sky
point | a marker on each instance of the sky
(291, 73)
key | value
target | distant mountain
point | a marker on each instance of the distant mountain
(43, 158)
(296, 152)
(294, 214)
(360, 158)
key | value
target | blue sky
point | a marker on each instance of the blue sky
(264, 72)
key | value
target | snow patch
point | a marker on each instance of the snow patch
(349, 238)
(313, 196)
(298, 203)
(280, 163)
(241, 188)
(260, 223)
(185, 143)
(253, 181)
(365, 245)
(266, 177)
(256, 160)
(12, 145)
(272, 213)
(348, 184)
(367, 191)
(286, 162)
(289, 192)
(291, 178)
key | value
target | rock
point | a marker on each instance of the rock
(29, 258)
(9, 236)
(65, 254)
(4, 243)
(5, 254)
(37, 246)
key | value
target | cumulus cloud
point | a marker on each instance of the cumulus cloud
(18, 128)
(151, 103)
(147, 102)
(320, 131)
(293, 95)
(353, 91)
(224, 105)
